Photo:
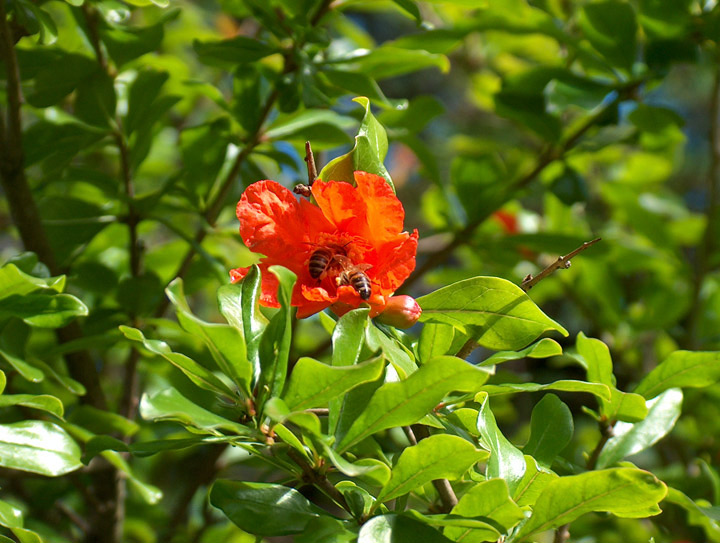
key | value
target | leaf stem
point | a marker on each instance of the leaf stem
(562, 262)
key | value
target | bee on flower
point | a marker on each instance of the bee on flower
(347, 251)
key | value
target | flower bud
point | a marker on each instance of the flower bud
(401, 312)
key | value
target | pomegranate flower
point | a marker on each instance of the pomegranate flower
(347, 251)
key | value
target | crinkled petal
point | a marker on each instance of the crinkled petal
(396, 262)
(371, 210)
(273, 222)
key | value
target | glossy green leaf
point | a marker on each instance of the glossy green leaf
(506, 461)
(348, 336)
(100, 421)
(14, 281)
(611, 28)
(239, 305)
(545, 348)
(169, 404)
(436, 457)
(263, 508)
(42, 309)
(601, 391)
(10, 517)
(26, 370)
(274, 348)
(629, 439)
(371, 144)
(39, 447)
(623, 406)
(395, 528)
(199, 375)
(435, 340)
(405, 402)
(493, 311)
(697, 515)
(551, 429)
(313, 384)
(225, 342)
(624, 492)
(394, 351)
(43, 402)
(377, 472)
(533, 481)
(682, 369)
(489, 499)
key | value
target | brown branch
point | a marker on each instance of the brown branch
(562, 262)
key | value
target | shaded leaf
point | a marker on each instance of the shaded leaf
(551, 429)
(682, 369)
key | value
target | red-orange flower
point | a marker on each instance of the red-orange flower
(359, 227)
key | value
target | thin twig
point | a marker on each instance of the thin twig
(562, 262)
(310, 161)
(410, 435)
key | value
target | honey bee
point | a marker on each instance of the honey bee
(319, 262)
(354, 275)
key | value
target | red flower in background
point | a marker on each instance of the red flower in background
(359, 229)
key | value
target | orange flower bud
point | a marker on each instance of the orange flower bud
(401, 312)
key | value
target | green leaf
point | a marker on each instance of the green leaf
(239, 305)
(566, 385)
(199, 375)
(14, 281)
(313, 384)
(405, 402)
(629, 439)
(322, 127)
(347, 337)
(545, 348)
(275, 342)
(494, 312)
(489, 499)
(42, 309)
(506, 461)
(169, 404)
(624, 492)
(27, 371)
(532, 483)
(263, 508)
(435, 340)
(226, 344)
(231, 52)
(38, 447)
(131, 42)
(371, 144)
(682, 369)
(530, 110)
(10, 517)
(551, 429)
(611, 28)
(395, 352)
(436, 457)
(365, 468)
(596, 359)
(388, 61)
(392, 528)
(44, 402)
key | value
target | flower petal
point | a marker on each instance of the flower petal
(396, 262)
(274, 223)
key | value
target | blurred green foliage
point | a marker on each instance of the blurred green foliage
(512, 131)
